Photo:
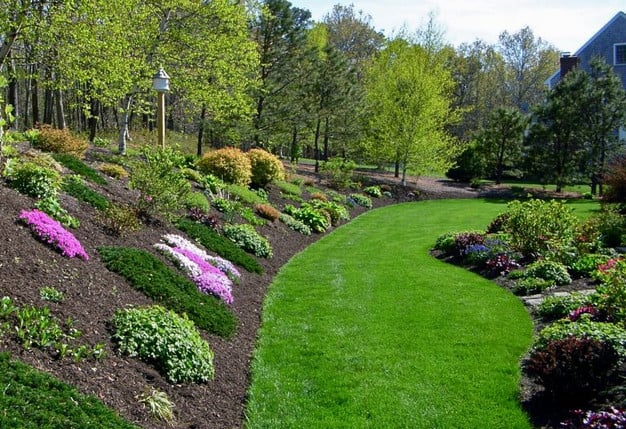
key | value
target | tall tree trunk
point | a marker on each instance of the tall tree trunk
(94, 113)
(34, 93)
(13, 94)
(201, 130)
(293, 151)
(326, 138)
(58, 98)
(257, 120)
(48, 107)
(317, 145)
(123, 135)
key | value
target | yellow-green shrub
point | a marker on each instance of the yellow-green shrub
(60, 141)
(265, 167)
(113, 170)
(229, 164)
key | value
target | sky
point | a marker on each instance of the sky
(565, 24)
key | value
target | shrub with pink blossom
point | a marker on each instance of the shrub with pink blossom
(222, 264)
(52, 232)
(207, 278)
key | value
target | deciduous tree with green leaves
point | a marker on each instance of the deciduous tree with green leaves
(409, 93)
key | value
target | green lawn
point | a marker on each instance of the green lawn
(365, 329)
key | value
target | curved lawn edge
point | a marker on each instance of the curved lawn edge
(365, 329)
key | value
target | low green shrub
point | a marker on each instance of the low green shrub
(360, 200)
(586, 264)
(151, 276)
(446, 243)
(311, 217)
(373, 191)
(557, 307)
(162, 186)
(246, 237)
(113, 170)
(52, 206)
(39, 397)
(119, 220)
(536, 227)
(553, 271)
(336, 212)
(531, 285)
(166, 339)
(220, 245)
(192, 174)
(76, 187)
(33, 180)
(229, 164)
(289, 188)
(244, 194)
(79, 167)
(266, 168)
(197, 200)
(48, 293)
(609, 333)
(338, 172)
(295, 224)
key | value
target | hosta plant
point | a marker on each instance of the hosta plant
(246, 237)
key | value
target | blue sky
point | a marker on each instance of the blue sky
(566, 24)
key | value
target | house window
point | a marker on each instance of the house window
(620, 54)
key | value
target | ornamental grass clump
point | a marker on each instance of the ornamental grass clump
(52, 232)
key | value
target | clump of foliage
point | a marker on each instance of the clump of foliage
(612, 291)
(611, 418)
(160, 182)
(586, 264)
(52, 207)
(156, 280)
(334, 211)
(229, 164)
(158, 403)
(246, 237)
(557, 307)
(59, 141)
(603, 229)
(79, 167)
(37, 327)
(113, 170)
(552, 271)
(289, 188)
(119, 219)
(308, 215)
(535, 227)
(615, 181)
(295, 224)
(166, 339)
(571, 369)
(45, 393)
(219, 244)
(338, 172)
(192, 174)
(32, 179)
(360, 200)
(48, 293)
(531, 285)
(76, 187)
(244, 194)
(266, 167)
(268, 212)
(197, 200)
(373, 191)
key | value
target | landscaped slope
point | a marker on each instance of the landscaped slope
(366, 329)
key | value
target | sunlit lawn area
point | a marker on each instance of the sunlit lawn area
(366, 329)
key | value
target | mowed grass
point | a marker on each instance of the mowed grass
(366, 330)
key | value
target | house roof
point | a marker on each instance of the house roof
(590, 41)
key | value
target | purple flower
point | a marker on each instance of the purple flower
(207, 278)
(52, 232)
